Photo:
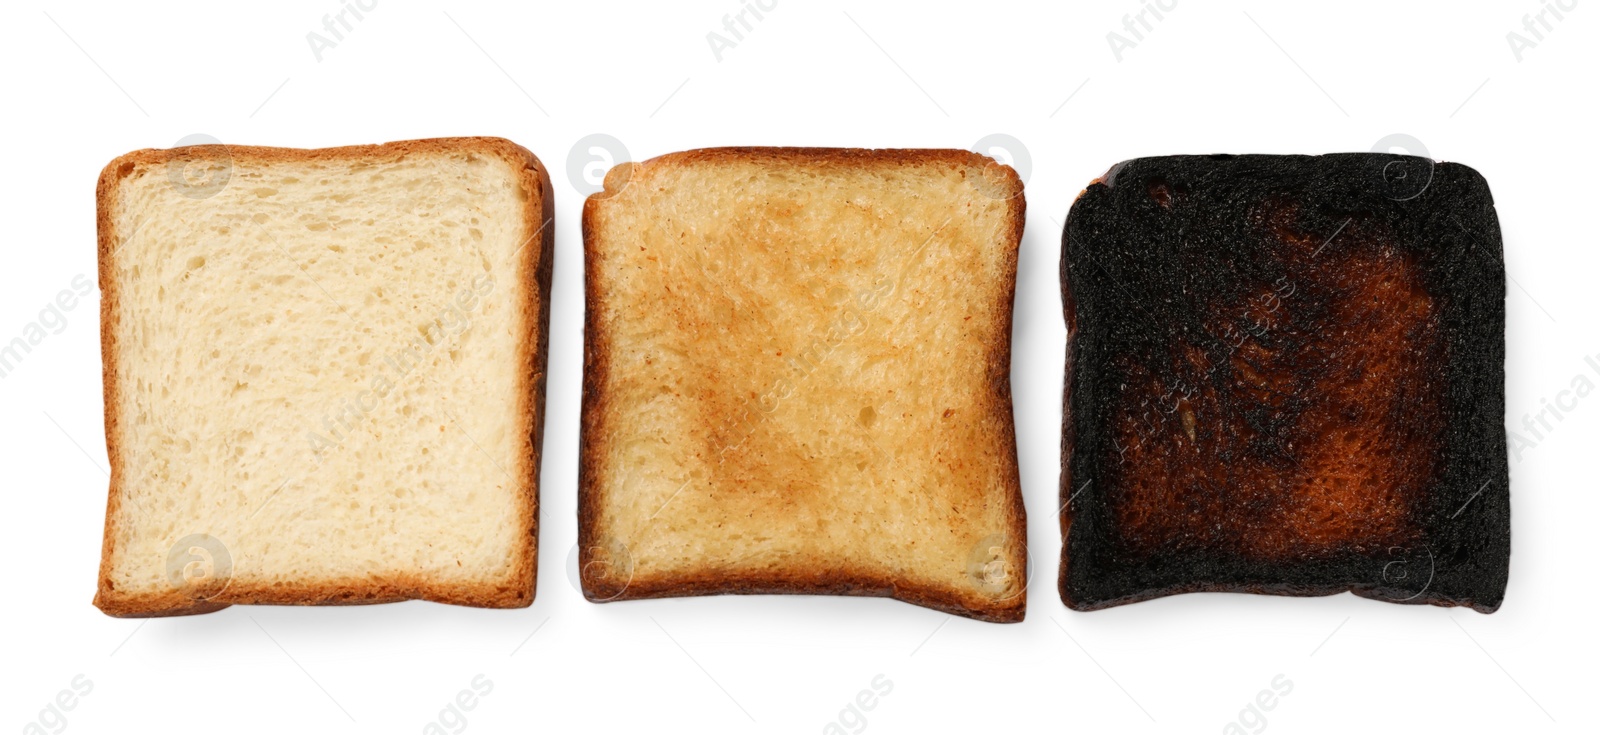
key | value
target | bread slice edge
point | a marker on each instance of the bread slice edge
(535, 268)
(598, 588)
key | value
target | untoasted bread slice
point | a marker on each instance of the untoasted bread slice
(1286, 375)
(324, 374)
(797, 378)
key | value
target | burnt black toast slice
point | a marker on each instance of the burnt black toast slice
(1285, 375)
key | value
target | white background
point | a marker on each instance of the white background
(83, 83)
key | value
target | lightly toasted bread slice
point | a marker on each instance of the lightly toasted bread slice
(1286, 375)
(324, 374)
(797, 378)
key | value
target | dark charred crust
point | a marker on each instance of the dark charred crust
(1285, 376)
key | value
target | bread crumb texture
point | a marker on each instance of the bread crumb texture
(798, 378)
(316, 366)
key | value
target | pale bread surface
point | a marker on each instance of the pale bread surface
(391, 300)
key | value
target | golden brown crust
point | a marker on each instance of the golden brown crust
(1006, 181)
(535, 268)
(810, 581)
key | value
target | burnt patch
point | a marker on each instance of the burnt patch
(1280, 378)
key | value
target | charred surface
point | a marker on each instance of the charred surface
(1287, 376)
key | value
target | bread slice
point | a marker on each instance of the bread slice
(1286, 375)
(797, 378)
(324, 374)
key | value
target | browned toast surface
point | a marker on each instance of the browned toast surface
(797, 378)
